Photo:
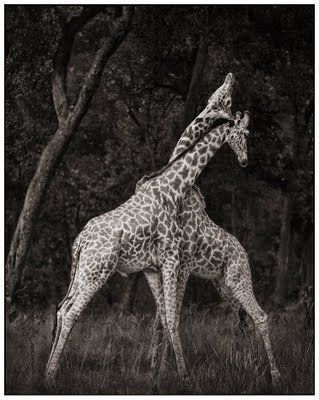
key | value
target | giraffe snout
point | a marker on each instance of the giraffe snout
(244, 162)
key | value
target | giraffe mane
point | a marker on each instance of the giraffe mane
(216, 124)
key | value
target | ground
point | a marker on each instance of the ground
(107, 354)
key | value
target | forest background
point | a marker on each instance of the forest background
(164, 64)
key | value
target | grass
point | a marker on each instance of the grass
(107, 354)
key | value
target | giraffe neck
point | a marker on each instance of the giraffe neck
(201, 123)
(181, 175)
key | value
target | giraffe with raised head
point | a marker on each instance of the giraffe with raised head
(142, 232)
(209, 252)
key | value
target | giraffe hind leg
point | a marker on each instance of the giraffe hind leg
(243, 292)
(65, 303)
(67, 316)
(260, 319)
(74, 270)
(61, 311)
(66, 321)
(72, 308)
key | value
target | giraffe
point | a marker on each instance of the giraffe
(213, 254)
(141, 232)
(209, 252)
(221, 102)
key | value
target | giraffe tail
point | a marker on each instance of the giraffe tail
(76, 249)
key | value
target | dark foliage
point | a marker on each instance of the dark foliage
(136, 118)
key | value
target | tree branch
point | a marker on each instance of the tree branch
(63, 56)
(156, 86)
(131, 114)
(108, 46)
(130, 111)
(164, 113)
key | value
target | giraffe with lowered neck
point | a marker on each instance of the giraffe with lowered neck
(209, 252)
(141, 232)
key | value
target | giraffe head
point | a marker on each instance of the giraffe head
(220, 101)
(236, 136)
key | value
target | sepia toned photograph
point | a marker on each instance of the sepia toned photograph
(159, 199)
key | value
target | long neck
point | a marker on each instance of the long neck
(181, 175)
(201, 123)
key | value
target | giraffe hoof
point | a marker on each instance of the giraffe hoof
(49, 379)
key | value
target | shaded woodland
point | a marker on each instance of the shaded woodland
(104, 93)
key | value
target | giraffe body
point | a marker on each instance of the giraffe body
(143, 232)
(140, 233)
(209, 252)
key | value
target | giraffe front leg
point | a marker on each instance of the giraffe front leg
(170, 276)
(183, 276)
(168, 246)
(243, 322)
(182, 279)
(157, 337)
(155, 283)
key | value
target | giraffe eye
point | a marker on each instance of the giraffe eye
(228, 102)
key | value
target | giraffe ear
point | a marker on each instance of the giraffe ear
(230, 79)
(246, 119)
(238, 115)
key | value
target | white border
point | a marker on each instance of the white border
(142, 2)
(155, 2)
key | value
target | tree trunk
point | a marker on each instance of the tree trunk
(148, 135)
(194, 87)
(245, 234)
(51, 155)
(308, 259)
(233, 211)
(283, 254)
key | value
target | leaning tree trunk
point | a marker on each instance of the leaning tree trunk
(68, 124)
